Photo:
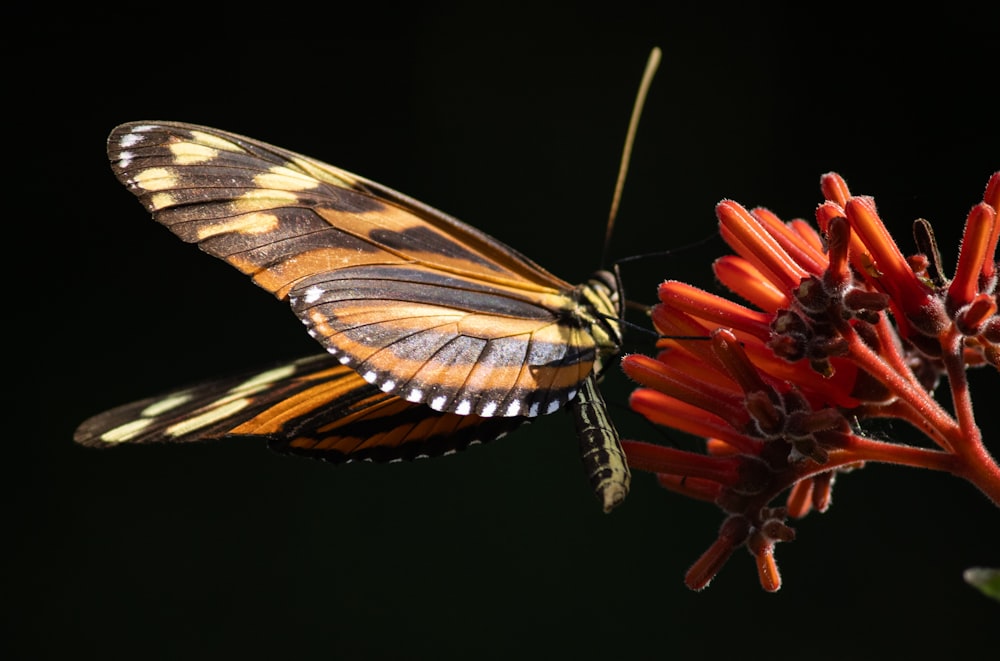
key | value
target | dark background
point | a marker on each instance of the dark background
(512, 121)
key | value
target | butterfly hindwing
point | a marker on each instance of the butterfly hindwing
(313, 406)
(417, 302)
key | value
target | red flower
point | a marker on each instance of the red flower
(844, 329)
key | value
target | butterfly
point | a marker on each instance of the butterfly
(437, 335)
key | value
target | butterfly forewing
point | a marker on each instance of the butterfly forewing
(418, 303)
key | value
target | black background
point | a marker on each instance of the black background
(512, 119)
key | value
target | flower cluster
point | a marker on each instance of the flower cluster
(843, 329)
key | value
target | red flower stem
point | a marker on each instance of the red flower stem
(901, 410)
(891, 354)
(888, 338)
(866, 449)
(976, 464)
(951, 343)
(906, 389)
(980, 469)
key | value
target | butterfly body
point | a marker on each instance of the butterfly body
(426, 319)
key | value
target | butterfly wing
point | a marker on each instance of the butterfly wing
(418, 303)
(414, 307)
(313, 406)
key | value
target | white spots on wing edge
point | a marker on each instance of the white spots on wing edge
(313, 294)
(129, 140)
(373, 377)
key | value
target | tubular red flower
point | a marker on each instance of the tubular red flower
(838, 239)
(724, 403)
(670, 412)
(891, 273)
(715, 310)
(835, 189)
(660, 459)
(745, 280)
(973, 256)
(992, 198)
(974, 317)
(767, 568)
(799, 501)
(805, 253)
(692, 487)
(732, 535)
(735, 360)
(782, 393)
(750, 239)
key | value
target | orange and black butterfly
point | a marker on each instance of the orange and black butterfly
(437, 335)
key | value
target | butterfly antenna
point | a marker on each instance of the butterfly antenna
(666, 253)
(640, 99)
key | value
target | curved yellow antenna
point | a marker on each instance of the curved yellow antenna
(640, 99)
